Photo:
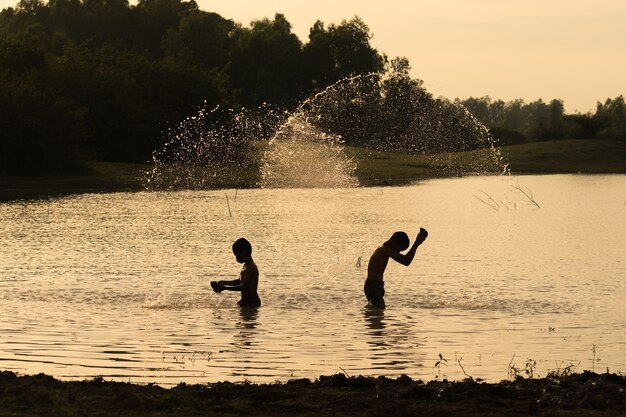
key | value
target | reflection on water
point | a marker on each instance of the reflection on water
(117, 285)
(393, 342)
(247, 325)
(375, 319)
(377, 338)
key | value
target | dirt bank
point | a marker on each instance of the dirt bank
(586, 394)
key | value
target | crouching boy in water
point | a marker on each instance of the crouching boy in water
(248, 281)
(399, 241)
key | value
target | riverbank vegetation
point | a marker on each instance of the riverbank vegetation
(372, 168)
(585, 394)
(110, 81)
(592, 156)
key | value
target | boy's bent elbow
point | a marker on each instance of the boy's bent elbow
(407, 261)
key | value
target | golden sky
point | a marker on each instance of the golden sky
(530, 49)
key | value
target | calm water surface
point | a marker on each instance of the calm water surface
(117, 285)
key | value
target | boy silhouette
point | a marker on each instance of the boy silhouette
(374, 286)
(248, 281)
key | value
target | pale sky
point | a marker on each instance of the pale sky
(574, 50)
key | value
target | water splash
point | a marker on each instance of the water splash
(493, 154)
(386, 112)
(300, 155)
(166, 301)
(214, 148)
(305, 148)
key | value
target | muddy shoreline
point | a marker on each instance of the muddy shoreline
(583, 394)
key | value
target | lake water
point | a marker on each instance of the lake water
(117, 285)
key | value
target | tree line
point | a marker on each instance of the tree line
(104, 80)
(516, 122)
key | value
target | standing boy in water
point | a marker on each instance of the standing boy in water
(399, 241)
(248, 277)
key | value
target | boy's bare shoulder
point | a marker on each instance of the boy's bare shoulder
(382, 251)
(252, 268)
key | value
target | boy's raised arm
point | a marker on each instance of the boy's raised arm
(407, 258)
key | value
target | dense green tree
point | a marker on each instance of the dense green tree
(107, 19)
(611, 118)
(201, 38)
(580, 126)
(21, 53)
(68, 17)
(551, 126)
(132, 100)
(41, 130)
(265, 63)
(152, 19)
(51, 129)
(339, 51)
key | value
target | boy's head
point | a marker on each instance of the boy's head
(399, 240)
(242, 250)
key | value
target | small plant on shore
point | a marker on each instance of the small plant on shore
(512, 371)
(595, 359)
(458, 360)
(560, 373)
(529, 369)
(441, 362)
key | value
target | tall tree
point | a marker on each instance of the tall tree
(154, 18)
(339, 51)
(202, 38)
(265, 63)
